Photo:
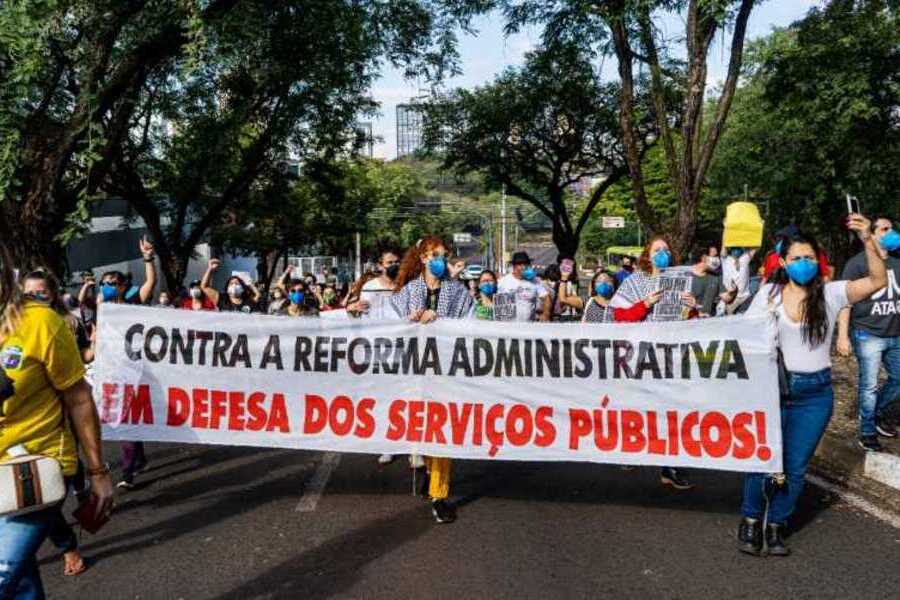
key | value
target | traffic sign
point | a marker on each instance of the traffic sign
(462, 238)
(612, 222)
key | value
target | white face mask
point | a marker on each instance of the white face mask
(236, 290)
(196, 293)
(713, 262)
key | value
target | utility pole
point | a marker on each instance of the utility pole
(358, 257)
(502, 268)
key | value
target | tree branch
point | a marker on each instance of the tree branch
(725, 100)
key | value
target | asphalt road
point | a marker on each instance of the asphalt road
(230, 523)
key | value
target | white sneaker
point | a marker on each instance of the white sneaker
(385, 459)
(416, 461)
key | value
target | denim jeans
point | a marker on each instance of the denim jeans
(20, 538)
(871, 351)
(804, 416)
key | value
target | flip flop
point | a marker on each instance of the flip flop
(81, 568)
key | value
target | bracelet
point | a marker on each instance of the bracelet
(102, 470)
(151, 259)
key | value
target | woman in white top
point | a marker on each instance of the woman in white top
(806, 309)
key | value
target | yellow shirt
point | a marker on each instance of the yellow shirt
(42, 359)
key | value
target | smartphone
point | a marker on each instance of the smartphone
(853, 205)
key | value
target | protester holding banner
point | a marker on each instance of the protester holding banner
(424, 293)
(567, 304)
(634, 301)
(45, 390)
(597, 309)
(300, 303)
(806, 309)
(875, 338)
(520, 295)
(484, 299)
(238, 295)
(375, 294)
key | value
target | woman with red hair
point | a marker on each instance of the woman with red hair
(634, 302)
(425, 293)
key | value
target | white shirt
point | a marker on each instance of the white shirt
(379, 298)
(736, 273)
(799, 356)
(519, 299)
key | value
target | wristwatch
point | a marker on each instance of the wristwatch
(99, 471)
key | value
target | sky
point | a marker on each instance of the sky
(489, 52)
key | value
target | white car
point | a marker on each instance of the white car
(473, 272)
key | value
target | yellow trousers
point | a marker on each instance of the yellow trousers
(439, 471)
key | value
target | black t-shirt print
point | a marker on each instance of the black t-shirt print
(880, 313)
(245, 306)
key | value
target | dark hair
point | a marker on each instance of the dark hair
(814, 314)
(552, 273)
(119, 276)
(596, 276)
(478, 282)
(389, 250)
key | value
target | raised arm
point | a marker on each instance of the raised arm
(206, 281)
(146, 291)
(860, 289)
(568, 299)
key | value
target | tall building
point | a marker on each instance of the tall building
(410, 119)
(364, 144)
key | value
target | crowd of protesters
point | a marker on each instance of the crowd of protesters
(54, 335)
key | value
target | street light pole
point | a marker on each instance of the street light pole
(503, 230)
(358, 257)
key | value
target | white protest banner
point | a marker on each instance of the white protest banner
(702, 393)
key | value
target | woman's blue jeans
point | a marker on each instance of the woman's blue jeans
(20, 538)
(804, 417)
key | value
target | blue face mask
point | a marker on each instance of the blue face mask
(890, 241)
(529, 273)
(438, 266)
(109, 291)
(604, 289)
(779, 246)
(802, 271)
(297, 297)
(488, 289)
(662, 259)
(736, 252)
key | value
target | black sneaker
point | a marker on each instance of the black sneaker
(669, 476)
(424, 479)
(885, 428)
(775, 540)
(127, 482)
(870, 443)
(443, 511)
(750, 536)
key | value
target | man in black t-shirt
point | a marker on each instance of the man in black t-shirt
(872, 327)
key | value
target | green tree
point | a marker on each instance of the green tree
(231, 84)
(538, 131)
(818, 119)
(629, 31)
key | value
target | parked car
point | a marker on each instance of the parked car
(473, 272)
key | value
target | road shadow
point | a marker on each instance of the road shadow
(335, 565)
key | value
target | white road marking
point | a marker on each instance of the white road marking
(313, 490)
(856, 501)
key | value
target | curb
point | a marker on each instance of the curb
(874, 475)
